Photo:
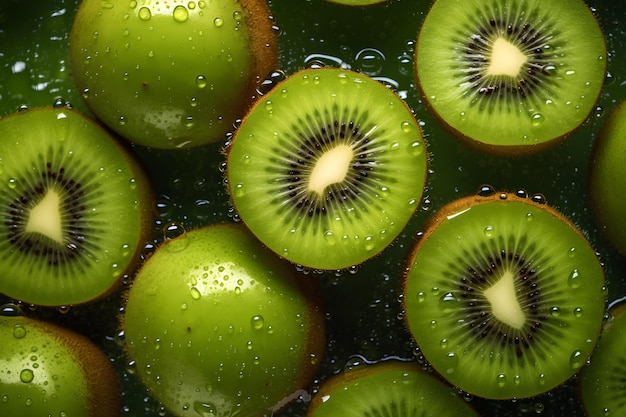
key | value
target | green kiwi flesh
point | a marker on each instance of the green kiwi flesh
(74, 208)
(390, 389)
(357, 2)
(327, 169)
(504, 296)
(607, 178)
(603, 381)
(510, 76)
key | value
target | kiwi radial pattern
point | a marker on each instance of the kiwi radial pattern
(75, 208)
(327, 168)
(510, 77)
(504, 296)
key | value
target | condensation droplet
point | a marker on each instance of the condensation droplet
(144, 13)
(574, 279)
(27, 375)
(257, 322)
(181, 14)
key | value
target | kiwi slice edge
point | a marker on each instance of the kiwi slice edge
(505, 317)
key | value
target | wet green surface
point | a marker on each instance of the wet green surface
(363, 305)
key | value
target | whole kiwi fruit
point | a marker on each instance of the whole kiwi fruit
(504, 296)
(510, 77)
(327, 168)
(76, 208)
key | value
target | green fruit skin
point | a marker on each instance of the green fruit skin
(164, 74)
(216, 324)
(114, 247)
(376, 389)
(46, 370)
(607, 178)
(601, 392)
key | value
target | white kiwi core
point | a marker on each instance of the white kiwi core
(503, 300)
(506, 59)
(331, 168)
(45, 217)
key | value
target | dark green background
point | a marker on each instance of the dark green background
(363, 306)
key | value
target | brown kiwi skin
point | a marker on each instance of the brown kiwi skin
(496, 150)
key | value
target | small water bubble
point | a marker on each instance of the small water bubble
(257, 322)
(144, 13)
(218, 22)
(448, 302)
(555, 311)
(172, 230)
(19, 331)
(368, 243)
(549, 69)
(488, 231)
(450, 363)
(27, 375)
(574, 279)
(421, 296)
(370, 61)
(201, 81)
(577, 359)
(486, 190)
(578, 312)
(501, 380)
(181, 14)
(443, 343)
(539, 198)
(537, 119)
(195, 293)
(205, 409)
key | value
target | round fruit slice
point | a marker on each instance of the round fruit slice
(75, 208)
(327, 169)
(50, 371)
(510, 76)
(219, 326)
(607, 178)
(387, 389)
(603, 381)
(357, 2)
(168, 73)
(504, 296)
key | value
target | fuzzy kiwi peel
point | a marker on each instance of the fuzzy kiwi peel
(603, 381)
(390, 388)
(170, 74)
(510, 77)
(607, 178)
(75, 207)
(327, 168)
(219, 325)
(504, 296)
(48, 370)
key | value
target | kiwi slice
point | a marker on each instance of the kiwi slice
(603, 381)
(510, 76)
(504, 296)
(74, 206)
(357, 2)
(327, 168)
(390, 389)
(607, 178)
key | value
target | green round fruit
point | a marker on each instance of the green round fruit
(171, 74)
(46, 370)
(75, 208)
(357, 2)
(504, 296)
(218, 325)
(510, 77)
(603, 381)
(391, 389)
(335, 160)
(607, 178)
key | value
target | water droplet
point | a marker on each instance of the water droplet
(555, 312)
(578, 312)
(488, 232)
(450, 363)
(421, 296)
(195, 293)
(201, 81)
(368, 243)
(157, 344)
(501, 380)
(205, 409)
(574, 279)
(443, 343)
(19, 331)
(577, 359)
(549, 69)
(180, 13)
(537, 119)
(257, 322)
(541, 379)
(448, 302)
(12, 183)
(144, 13)
(27, 375)
(240, 190)
(218, 22)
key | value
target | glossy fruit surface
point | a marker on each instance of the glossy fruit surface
(217, 326)
(168, 73)
(49, 371)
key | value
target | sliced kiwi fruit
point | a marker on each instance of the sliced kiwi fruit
(603, 381)
(75, 208)
(504, 296)
(357, 2)
(510, 77)
(327, 168)
(607, 178)
(391, 389)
